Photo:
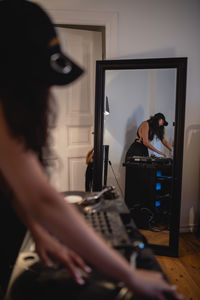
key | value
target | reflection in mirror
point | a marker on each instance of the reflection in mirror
(137, 89)
(144, 183)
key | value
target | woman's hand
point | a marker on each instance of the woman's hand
(50, 251)
(163, 154)
(150, 284)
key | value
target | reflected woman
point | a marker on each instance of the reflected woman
(145, 134)
(89, 170)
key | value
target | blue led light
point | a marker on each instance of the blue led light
(158, 173)
(157, 203)
(158, 186)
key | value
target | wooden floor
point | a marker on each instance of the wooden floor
(156, 238)
(185, 270)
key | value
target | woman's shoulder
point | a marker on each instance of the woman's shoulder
(144, 124)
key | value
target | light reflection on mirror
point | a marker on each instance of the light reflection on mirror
(134, 96)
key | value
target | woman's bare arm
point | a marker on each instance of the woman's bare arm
(89, 156)
(166, 144)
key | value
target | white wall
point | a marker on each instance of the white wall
(161, 28)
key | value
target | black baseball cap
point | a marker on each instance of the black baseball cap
(161, 116)
(30, 48)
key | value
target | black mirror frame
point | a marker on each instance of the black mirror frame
(180, 64)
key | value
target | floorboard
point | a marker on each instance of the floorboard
(184, 271)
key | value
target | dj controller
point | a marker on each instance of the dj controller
(154, 160)
(107, 213)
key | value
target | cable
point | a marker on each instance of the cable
(144, 217)
(116, 178)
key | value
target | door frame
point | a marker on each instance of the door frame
(93, 18)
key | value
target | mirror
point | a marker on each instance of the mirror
(134, 90)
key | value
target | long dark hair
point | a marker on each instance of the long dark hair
(155, 129)
(28, 109)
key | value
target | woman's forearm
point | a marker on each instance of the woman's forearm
(166, 144)
(151, 147)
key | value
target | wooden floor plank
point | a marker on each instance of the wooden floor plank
(156, 238)
(192, 263)
(184, 271)
(178, 275)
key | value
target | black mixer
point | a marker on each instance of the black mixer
(109, 216)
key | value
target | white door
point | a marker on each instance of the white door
(72, 136)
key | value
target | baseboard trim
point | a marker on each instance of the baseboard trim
(188, 228)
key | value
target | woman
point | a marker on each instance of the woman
(145, 134)
(31, 62)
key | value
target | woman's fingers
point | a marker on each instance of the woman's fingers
(173, 292)
(51, 251)
(152, 285)
(80, 262)
(75, 272)
(72, 261)
(45, 258)
(75, 264)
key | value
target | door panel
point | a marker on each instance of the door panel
(72, 136)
